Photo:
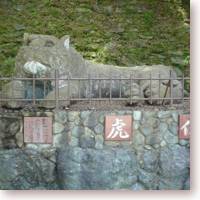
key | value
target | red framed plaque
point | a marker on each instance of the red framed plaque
(118, 128)
(38, 130)
(184, 126)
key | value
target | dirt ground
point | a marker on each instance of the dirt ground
(107, 105)
(103, 106)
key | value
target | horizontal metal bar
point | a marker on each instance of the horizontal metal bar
(83, 79)
(95, 99)
(17, 99)
(119, 99)
(24, 79)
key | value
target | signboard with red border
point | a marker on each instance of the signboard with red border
(38, 130)
(118, 128)
(184, 126)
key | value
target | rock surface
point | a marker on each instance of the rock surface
(35, 68)
(112, 168)
(16, 90)
(25, 169)
(11, 135)
(155, 158)
(174, 170)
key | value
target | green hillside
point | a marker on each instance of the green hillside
(122, 32)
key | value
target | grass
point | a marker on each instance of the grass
(128, 32)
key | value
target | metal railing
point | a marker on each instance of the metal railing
(9, 88)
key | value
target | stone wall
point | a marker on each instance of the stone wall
(79, 158)
(11, 133)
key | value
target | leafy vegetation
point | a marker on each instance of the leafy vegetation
(128, 32)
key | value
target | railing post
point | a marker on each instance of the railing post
(68, 86)
(171, 88)
(150, 88)
(44, 85)
(131, 89)
(56, 89)
(99, 86)
(89, 88)
(79, 90)
(33, 96)
(110, 96)
(120, 86)
(12, 87)
(183, 85)
(159, 82)
(166, 91)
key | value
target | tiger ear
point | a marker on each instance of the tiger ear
(66, 43)
(65, 40)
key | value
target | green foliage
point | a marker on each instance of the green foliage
(7, 67)
(128, 32)
(149, 18)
